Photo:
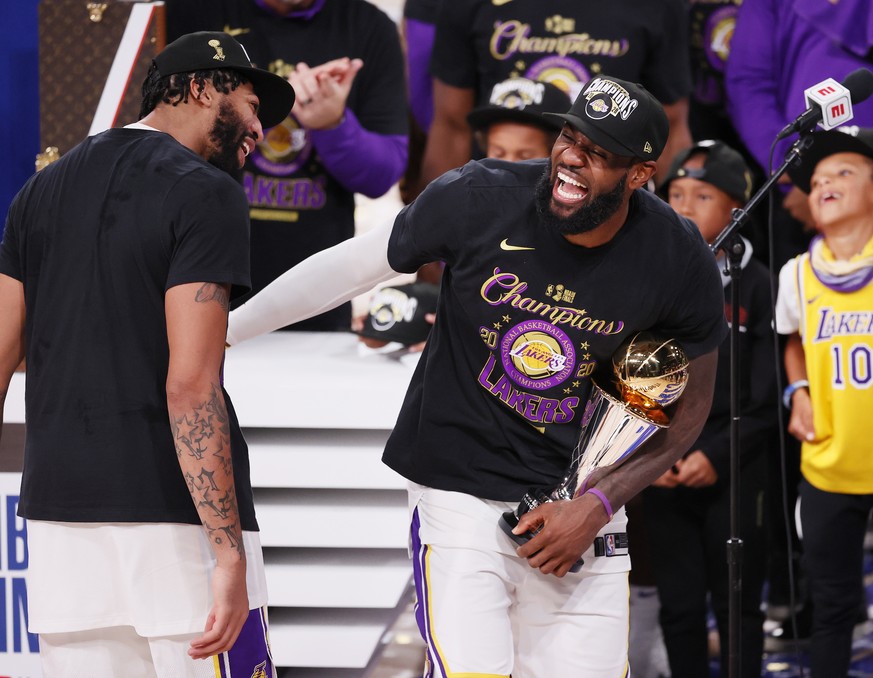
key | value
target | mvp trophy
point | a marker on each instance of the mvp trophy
(651, 374)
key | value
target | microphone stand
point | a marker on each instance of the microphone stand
(731, 244)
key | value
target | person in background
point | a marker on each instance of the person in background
(479, 43)
(780, 48)
(419, 33)
(688, 509)
(347, 132)
(418, 30)
(512, 126)
(824, 307)
(116, 268)
(711, 24)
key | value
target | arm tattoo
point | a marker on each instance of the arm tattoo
(212, 292)
(202, 438)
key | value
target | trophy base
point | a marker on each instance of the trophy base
(508, 522)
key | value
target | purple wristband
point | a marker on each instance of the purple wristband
(603, 500)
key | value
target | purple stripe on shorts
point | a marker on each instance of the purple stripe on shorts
(419, 557)
(250, 655)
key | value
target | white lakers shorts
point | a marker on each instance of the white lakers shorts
(485, 613)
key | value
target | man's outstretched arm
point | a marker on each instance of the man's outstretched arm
(315, 285)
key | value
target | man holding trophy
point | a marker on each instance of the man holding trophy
(553, 269)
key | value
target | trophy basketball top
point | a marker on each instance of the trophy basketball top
(651, 373)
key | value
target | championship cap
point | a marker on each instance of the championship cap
(620, 116)
(521, 100)
(723, 167)
(397, 313)
(214, 50)
(846, 139)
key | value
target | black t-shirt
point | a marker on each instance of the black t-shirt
(711, 25)
(97, 238)
(297, 207)
(422, 10)
(525, 319)
(567, 42)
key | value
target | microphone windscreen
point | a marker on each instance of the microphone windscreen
(860, 84)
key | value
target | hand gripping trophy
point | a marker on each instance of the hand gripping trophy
(650, 374)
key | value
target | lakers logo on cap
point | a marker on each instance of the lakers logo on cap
(606, 97)
(219, 52)
(517, 94)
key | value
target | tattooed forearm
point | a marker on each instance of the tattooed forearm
(201, 433)
(212, 292)
(227, 536)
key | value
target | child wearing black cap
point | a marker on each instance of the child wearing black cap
(687, 510)
(512, 126)
(825, 306)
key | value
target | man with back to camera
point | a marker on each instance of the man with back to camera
(115, 273)
(571, 254)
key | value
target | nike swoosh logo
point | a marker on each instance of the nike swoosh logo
(513, 248)
(233, 32)
(498, 3)
(812, 300)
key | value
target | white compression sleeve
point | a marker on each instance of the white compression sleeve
(315, 285)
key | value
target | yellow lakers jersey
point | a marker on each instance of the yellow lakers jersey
(837, 333)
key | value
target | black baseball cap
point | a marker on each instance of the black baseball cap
(397, 313)
(213, 50)
(723, 167)
(846, 139)
(620, 116)
(521, 100)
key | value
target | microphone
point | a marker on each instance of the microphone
(830, 103)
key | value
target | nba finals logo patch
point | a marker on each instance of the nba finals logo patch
(605, 97)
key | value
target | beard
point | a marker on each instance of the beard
(226, 135)
(587, 217)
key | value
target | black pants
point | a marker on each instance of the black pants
(688, 533)
(833, 527)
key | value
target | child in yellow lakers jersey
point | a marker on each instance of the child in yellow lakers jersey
(825, 306)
